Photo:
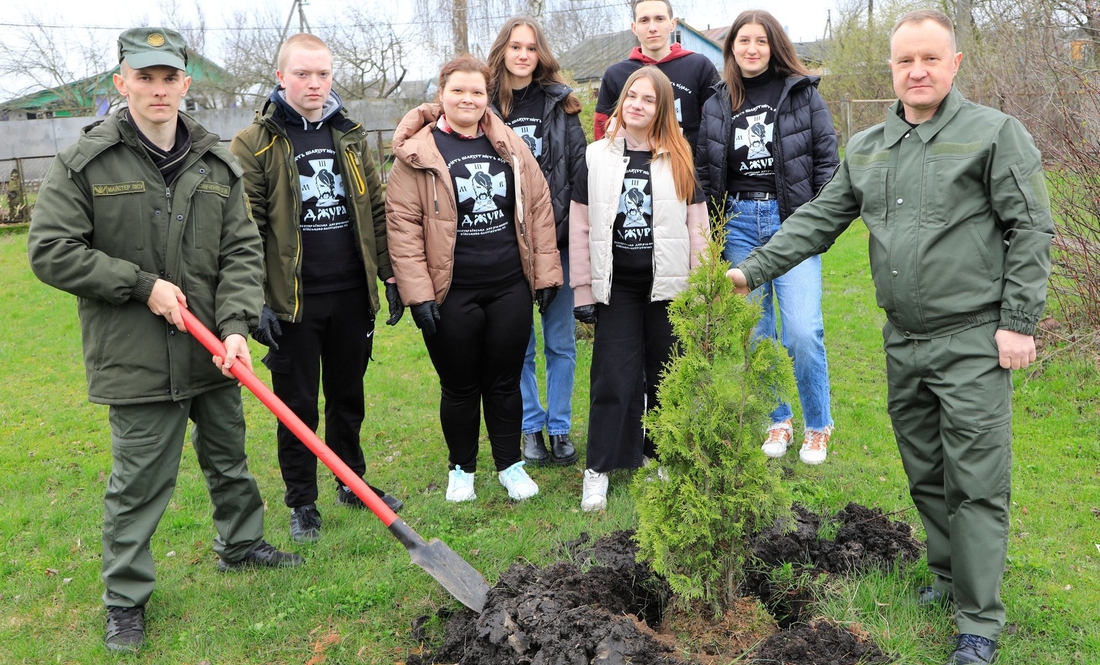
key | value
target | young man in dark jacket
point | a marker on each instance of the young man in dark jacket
(317, 201)
(144, 214)
(692, 74)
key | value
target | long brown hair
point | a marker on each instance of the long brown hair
(664, 133)
(546, 72)
(782, 63)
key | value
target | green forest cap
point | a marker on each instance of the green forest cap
(148, 47)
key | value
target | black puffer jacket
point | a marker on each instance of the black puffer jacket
(805, 144)
(563, 153)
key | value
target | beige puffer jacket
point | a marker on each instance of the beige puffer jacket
(422, 218)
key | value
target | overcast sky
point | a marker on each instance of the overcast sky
(805, 19)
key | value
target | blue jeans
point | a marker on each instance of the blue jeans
(798, 295)
(560, 347)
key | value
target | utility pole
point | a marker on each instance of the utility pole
(964, 22)
(459, 28)
(298, 7)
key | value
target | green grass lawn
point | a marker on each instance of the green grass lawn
(357, 595)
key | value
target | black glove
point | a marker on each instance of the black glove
(394, 304)
(268, 330)
(543, 297)
(585, 313)
(425, 315)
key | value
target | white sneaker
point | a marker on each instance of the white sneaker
(779, 437)
(460, 485)
(814, 446)
(595, 491)
(517, 482)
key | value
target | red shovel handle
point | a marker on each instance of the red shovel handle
(293, 422)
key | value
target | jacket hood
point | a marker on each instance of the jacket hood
(332, 106)
(677, 52)
(793, 81)
(406, 139)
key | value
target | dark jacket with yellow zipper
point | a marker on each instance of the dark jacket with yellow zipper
(271, 180)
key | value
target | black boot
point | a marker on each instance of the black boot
(534, 449)
(562, 451)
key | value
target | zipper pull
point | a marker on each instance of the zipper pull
(168, 192)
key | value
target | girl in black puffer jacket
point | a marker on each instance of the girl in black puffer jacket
(529, 93)
(766, 146)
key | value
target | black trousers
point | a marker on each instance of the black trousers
(331, 346)
(478, 349)
(632, 343)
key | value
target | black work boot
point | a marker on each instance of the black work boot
(125, 628)
(345, 497)
(263, 555)
(534, 449)
(305, 523)
(973, 650)
(562, 451)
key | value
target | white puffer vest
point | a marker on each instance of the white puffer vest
(607, 161)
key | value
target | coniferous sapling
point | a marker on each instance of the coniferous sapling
(715, 399)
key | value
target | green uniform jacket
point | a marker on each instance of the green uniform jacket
(958, 214)
(271, 179)
(105, 227)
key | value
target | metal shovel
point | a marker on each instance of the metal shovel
(441, 562)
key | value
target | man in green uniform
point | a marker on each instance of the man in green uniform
(954, 197)
(145, 208)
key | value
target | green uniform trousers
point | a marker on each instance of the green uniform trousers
(146, 442)
(951, 406)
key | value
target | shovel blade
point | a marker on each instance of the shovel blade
(457, 576)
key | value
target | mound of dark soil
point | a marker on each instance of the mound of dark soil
(866, 538)
(820, 643)
(602, 606)
(563, 616)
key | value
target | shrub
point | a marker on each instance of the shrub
(715, 399)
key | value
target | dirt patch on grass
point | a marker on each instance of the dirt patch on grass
(601, 606)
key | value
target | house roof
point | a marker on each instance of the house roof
(588, 60)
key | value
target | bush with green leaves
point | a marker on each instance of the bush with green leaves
(715, 398)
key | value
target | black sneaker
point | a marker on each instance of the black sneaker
(345, 497)
(263, 555)
(125, 628)
(973, 650)
(305, 523)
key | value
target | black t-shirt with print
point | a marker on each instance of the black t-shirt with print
(330, 258)
(528, 105)
(486, 247)
(750, 165)
(632, 232)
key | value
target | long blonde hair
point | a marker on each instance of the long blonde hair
(663, 134)
(546, 72)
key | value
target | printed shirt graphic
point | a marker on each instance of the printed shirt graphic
(632, 244)
(528, 105)
(330, 258)
(750, 165)
(486, 247)
(752, 142)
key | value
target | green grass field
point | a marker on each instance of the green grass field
(357, 595)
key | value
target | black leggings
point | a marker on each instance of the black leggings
(478, 349)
